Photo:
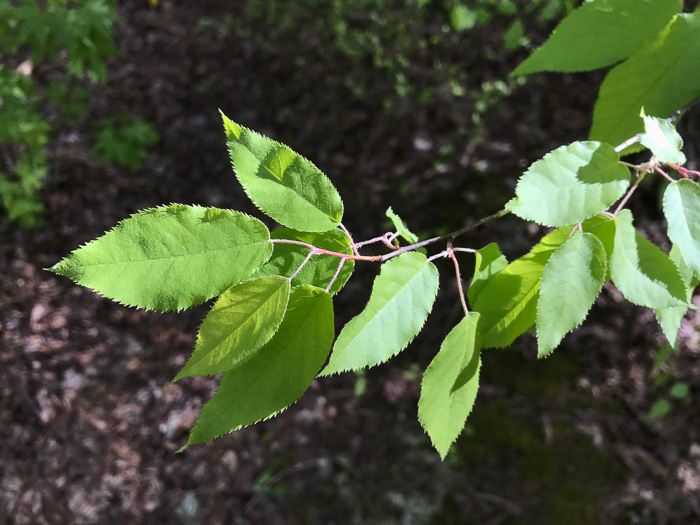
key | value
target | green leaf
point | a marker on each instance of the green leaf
(170, 257)
(282, 183)
(662, 139)
(244, 318)
(662, 76)
(489, 261)
(320, 269)
(277, 374)
(680, 390)
(603, 227)
(670, 318)
(570, 184)
(401, 227)
(508, 301)
(641, 271)
(450, 385)
(571, 281)
(599, 34)
(659, 409)
(682, 211)
(402, 297)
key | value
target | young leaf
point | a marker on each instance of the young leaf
(670, 318)
(170, 257)
(244, 318)
(277, 374)
(450, 384)
(282, 183)
(682, 211)
(489, 261)
(401, 227)
(508, 301)
(641, 271)
(320, 269)
(620, 27)
(571, 281)
(402, 297)
(662, 139)
(570, 184)
(662, 76)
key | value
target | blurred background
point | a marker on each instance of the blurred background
(108, 108)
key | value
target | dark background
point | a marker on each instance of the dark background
(89, 421)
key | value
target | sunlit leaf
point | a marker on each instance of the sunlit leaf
(571, 281)
(401, 227)
(243, 319)
(682, 211)
(662, 139)
(402, 297)
(450, 385)
(170, 257)
(282, 183)
(570, 184)
(277, 374)
(489, 261)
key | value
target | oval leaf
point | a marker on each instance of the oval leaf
(662, 139)
(673, 57)
(282, 183)
(508, 301)
(401, 227)
(170, 257)
(571, 281)
(489, 261)
(244, 318)
(450, 385)
(402, 297)
(641, 271)
(570, 184)
(621, 26)
(276, 375)
(682, 211)
(320, 269)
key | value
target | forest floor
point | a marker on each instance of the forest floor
(90, 421)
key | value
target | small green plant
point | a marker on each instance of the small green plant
(271, 330)
(124, 140)
(32, 33)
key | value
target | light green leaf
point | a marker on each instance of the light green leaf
(402, 297)
(570, 184)
(170, 257)
(401, 227)
(571, 281)
(282, 183)
(508, 301)
(682, 211)
(277, 374)
(320, 269)
(662, 139)
(662, 76)
(600, 33)
(450, 385)
(670, 318)
(659, 409)
(641, 271)
(603, 227)
(244, 318)
(489, 261)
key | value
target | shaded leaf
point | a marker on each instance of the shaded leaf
(682, 211)
(571, 281)
(170, 257)
(276, 375)
(243, 319)
(662, 139)
(570, 184)
(450, 385)
(508, 301)
(401, 227)
(282, 183)
(662, 77)
(319, 270)
(619, 28)
(402, 297)
(641, 271)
